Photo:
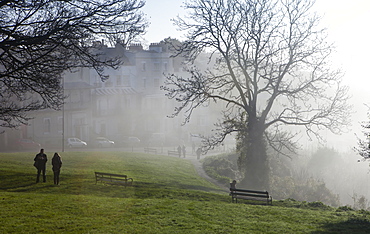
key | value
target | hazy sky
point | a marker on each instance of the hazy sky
(348, 25)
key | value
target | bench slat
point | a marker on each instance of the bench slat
(150, 150)
(250, 195)
(248, 191)
(110, 178)
(109, 174)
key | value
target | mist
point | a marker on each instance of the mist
(131, 104)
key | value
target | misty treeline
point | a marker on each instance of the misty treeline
(39, 40)
(324, 174)
(269, 66)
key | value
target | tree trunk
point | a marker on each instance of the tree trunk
(253, 161)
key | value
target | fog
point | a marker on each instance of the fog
(340, 171)
(127, 106)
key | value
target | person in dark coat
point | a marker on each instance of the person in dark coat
(233, 184)
(57, 164)
(40, 163)
(199, 152)
(179, 151)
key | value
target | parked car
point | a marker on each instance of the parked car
(103, 142)
(25, 144)
(75, 143)
(130, 141)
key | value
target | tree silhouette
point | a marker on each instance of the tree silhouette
(39, 40)
(270, 70)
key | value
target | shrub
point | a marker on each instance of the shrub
(304, 188)
(344, 208)
(220, 168)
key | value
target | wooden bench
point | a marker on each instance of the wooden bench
(250, 195)
(113, 179)
(150, 150)
(174, 153)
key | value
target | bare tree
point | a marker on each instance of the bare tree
(271, 71)
(39, 40)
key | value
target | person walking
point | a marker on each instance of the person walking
(179, 151)
(40, 163)
(183, 151)
(199, 152)
(57, 164)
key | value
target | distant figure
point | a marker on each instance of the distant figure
(233, 185)
(40, 164)
(183, 151)
(193, 148)
(199, 151)
(57, 164)
(179, 151)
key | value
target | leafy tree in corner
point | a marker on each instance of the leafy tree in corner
(39, 40)
(270, 71)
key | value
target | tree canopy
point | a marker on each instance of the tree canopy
(39, 40)
(271, 70)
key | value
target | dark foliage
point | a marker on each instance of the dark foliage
(39, 40)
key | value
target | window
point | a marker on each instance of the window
(108, 83)
(126, 80)
(157, 66)
(60, 124)
(119, 80)
(144, 83)
(156, 82)
(47, 125)
(82, 97)
(98, 82)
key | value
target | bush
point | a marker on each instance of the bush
(344, 208)
(223, 168)
(310, 190)
(220, 168)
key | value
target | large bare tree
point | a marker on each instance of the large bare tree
(39, 40)
(271, 72)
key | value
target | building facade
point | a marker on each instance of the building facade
(129, 103)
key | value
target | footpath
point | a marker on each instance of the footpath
(198, 166)
(201, 172)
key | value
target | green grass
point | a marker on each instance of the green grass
(167, 197)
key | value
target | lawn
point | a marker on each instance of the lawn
(167, 197)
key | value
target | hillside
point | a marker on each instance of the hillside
(168, 196)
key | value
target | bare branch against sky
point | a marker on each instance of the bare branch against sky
(39, 40)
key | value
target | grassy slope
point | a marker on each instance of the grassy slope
(168, 197)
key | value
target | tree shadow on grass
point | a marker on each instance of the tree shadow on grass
(10, 181)
(18, 186)
(352, 225)
(86, 185)
(26, 182)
